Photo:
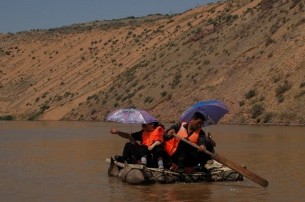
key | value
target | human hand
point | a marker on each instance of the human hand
(170, 133)
(114, 131)
(150, 147)
(201, 148)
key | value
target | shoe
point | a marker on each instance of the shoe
(160, 164)
(143, 160)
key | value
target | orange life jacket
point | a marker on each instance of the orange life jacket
(148, 138)
(172, 144)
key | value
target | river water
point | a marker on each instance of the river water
(65, 161)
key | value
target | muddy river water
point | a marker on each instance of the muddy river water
(65, 161)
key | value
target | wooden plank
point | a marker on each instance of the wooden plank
(138, 166)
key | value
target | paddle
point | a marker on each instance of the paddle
(234, 166)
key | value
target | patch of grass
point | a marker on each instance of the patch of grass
(164, 93)
(92, 97)
(267, 117)
(206, 62)
(241, 103)
(257, 109)
(7, 118)
(176, 80)
(148, 99)
(44, 107)
(280, 98)
(281, 89)
(269, 41)
(276, 78)
(34, 116)
(250, 94)
(94, 111)
(37, 114)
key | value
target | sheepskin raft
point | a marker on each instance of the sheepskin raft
(139, 174)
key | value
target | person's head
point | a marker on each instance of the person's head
(197, 121)
(150, 126)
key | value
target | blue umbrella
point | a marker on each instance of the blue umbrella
(131, 115)
(213, 110)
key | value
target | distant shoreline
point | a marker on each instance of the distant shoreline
(169, 122)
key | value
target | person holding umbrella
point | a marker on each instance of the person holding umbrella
(150, 151)
(183, 156)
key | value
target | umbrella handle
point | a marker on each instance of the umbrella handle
(234, 166)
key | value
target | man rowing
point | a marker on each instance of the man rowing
(185, 157)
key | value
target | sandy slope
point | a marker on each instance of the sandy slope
(162, 64)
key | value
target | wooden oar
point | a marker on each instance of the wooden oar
(234, 166)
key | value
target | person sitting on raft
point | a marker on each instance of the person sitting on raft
(150, 152)
(185, 157)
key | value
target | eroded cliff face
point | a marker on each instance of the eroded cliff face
(249, 54)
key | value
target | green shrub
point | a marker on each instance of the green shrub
(94, 111)
(164, 93)
(269, 41)
(44, 107)
(276, 78)
(249, 10)
(257, 109)
(148, 99)
(267, 117)
(7, 118)
(280, 98)
(176, 80)
(169, 96)
(250, 94)
(206, 62)
(281, 89)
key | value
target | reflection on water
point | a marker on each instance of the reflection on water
(65, 161)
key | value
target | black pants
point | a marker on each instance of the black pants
(132, 153)
(188, 156)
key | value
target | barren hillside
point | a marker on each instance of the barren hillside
(248, 53)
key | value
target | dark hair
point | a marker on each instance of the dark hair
(198, 115)
(155, 124)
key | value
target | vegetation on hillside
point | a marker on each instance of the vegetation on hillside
(247, 53)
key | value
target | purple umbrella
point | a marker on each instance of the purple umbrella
(131, 115)
(213, 110)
